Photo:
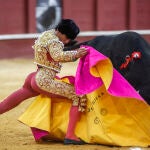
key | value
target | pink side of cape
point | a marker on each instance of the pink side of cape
(86, 83)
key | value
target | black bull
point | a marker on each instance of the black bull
(130, 55)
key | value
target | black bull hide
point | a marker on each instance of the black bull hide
(130, 55)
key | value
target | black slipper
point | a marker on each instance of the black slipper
(74, 142)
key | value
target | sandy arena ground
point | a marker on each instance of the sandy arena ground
(15, 135)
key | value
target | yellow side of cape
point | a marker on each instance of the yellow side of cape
(107, 120)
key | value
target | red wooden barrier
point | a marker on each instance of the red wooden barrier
(12, 17)
(139, 14)
(31, 16)
(81, 11)
(112, 15)
(17, 16)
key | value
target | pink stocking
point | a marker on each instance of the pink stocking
(18, 96)
(28, 90)
(74, 117)
(15, 99)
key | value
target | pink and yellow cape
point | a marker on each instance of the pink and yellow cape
(115, 115)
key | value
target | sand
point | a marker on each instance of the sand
(15, 135)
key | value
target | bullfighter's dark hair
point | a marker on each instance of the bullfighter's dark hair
(69, 28)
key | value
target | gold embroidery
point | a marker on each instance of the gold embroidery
(48, 54)
(49, 44)
(45, 79)
(59, 55)
(42, 56)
